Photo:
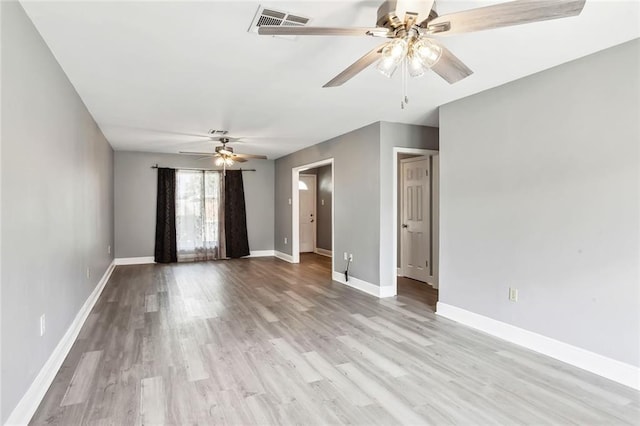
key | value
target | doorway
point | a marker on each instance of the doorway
(416, 261)
(417, 223)
(307, 212)
(312, 213)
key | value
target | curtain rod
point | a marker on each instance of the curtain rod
(155, 166)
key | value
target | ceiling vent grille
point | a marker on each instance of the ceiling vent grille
(268, 16)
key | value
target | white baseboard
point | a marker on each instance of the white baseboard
(22, 414)
(284, 256)
(399, 273)
(134, 260)
(323, 252)
(363, 286)
(262, 253)
(612, 369)
(150, 259)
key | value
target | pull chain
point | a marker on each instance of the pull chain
(406, 81)
(404, 70)
(402, 77)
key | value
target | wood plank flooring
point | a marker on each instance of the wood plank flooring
(260, 341)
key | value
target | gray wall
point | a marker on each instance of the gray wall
(362, 180)
(404, 136)
(135, 200)
(356, 198)
(323, 212)
(57, 203)
(539, 191)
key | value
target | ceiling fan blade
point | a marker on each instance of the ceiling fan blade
(199, 135)
(324, 31)
(210, 154)
(239, 159)
(212, 138)
(504, 15)
(257, 157)
(355, 68)
(449, 67)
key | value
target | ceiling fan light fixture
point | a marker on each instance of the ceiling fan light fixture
(387, 66)
(224, 160)
(415, 66)
(392, 54)
(427, 51)
(396, 49)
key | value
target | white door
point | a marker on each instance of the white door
(307, 190)
(416, 220)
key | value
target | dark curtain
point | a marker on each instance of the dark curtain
(166, 248)
(235, 215)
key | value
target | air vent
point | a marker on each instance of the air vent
(214, 132)
(268, 16)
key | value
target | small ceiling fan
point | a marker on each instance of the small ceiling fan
(411, 24)
(224, 154)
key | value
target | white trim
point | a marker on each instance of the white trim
(134, 260)
(323, 252)
(363, 286)
(400, 273)
(261, 253)
(333, 214)
(295, 216)
(24, 411)
(387, 291)
(394, 190)
(612, 369)
(315, 208)
(284, 256)
(150, 259)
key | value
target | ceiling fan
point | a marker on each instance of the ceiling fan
(411, 25)
(224, 154)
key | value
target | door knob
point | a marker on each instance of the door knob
(311, 220)
(404, 225)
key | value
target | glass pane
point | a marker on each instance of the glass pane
(197, 214)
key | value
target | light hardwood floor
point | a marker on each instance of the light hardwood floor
(261, 341)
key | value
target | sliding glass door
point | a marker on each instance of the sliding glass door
(199, 215)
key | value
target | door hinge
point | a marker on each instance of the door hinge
(426, 263)
(427, 172)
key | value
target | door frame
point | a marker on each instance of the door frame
(295, 209)
(396, 219)
(315, 209)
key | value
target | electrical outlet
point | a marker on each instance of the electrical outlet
(42, 325)
(285, 240)
(108, 249)
(322, 202)
(345, 255)
(351, 257)
(88, 272)
(513, 294)
(289, 201)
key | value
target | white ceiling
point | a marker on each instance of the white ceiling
(146, 69)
